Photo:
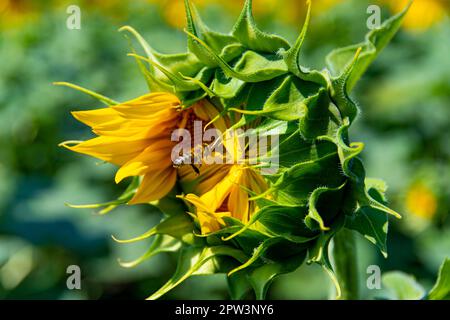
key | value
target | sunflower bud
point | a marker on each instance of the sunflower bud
(233, 217)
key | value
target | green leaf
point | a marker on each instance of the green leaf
(191, 260)
(290, 100)
(324, 204)
(294, 186)
(402, 286)
(260, 278)
(177, 226)
(278, 221)
(340, 92)
(251, 67)
(257, 67)
(247, 33)
(107, 101)
(286, 222)
(441, 289)
(227, 46)
(292, 56)
(319, 253)
(238, 285)
(193, 45)
(181, 84)
(372, 224)
(161, 243)
(226, 87)
(257, 253)
(316, 119)
(185, 63)
(126, 196)
(374, 43)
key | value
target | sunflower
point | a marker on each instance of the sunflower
(247, 79)
(136, 136)
(423, 13)
(421, 201)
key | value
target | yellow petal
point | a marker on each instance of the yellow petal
(209, 220)
(157, 156)
(197, 202)
(210, 176)
(208, 224)
(155, 186)
(207, 112)
(217, 195)
(110, 149)
(97, 117)
(148, 105)
(238, 203)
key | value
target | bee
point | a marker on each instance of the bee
(186, 159)
(189, 158)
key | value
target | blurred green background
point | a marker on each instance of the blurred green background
(405, 120)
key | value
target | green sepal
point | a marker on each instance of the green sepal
(126, 196)
(107, 101)
(294, 185)
(193, 45)
(261, 278)
(179, 226)
(323, 210)
(441, 289)
(372, 224)
(374, 43)
(226, 87)
(251, 66)
(257, 253)
(316, 119)
(340, 92)
(180, 84)
(160, 244)
(292, 57)
(290, 100)
(185, 63)
(246, 31)
(279, 221)
(227, 46)
(319, 253)
(190, 262)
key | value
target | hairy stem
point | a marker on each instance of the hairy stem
(346, 265)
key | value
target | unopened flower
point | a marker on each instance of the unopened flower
(237, 220)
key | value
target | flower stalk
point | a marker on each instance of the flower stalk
(346, 264)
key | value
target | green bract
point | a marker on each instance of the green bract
(321, 186)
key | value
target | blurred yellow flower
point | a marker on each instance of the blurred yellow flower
(423, 13)
(15, 12)
(173, 10)
(421, 201)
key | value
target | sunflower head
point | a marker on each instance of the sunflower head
(230, 217)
